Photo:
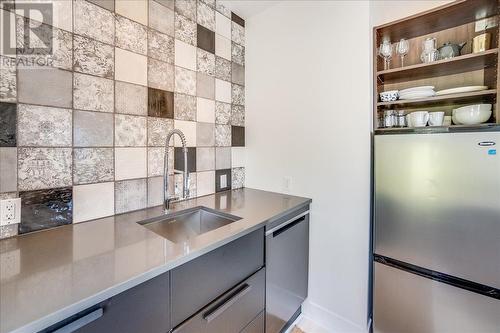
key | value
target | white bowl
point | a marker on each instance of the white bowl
(389, 96)
(472, 114)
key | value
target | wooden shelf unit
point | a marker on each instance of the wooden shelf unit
(456, 23)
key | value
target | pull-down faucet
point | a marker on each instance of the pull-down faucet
(185, 191)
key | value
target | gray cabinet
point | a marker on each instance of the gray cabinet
(257, 325)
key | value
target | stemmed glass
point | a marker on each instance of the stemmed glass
(385, 51)
(402, 48)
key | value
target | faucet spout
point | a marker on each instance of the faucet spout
(185, 191)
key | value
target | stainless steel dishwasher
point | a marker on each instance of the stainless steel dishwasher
(287, 260)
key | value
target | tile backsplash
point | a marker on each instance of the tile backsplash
(83, 126)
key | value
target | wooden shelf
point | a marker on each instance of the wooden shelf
(460, 64)
(445, 99)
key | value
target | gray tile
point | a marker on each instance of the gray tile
(205, 134)
(93, 57)
(205, 62)
(130, 131)
(237, 94)
(161, 75)
(222, 135)
(186, 8)
(166, 3)
(237, 136)
(8, 124)
(185, 29)
(106, 4)
(44, 126)
(131, 98)
(238, 115)
(156, 156)
(179, 184)
(185, 81)
(185, 107)
(238, 178)
(206, 16)
(92, 129)
(131, 35)
(222, 69)
(8, 169)
(93, 21)
(238, 74)
(93, 93)
(130, 195)
(222, 158)
(155, 191)
(161, 46)
(238, 54)
(222, 113)
(158, 129)
(179, 159)
(55, 90)
(161, 18)
(205, 86)
(223, 180)
(237, 33)
(42, 168)
(8, 86)
(93, 165)
(205, 158)
(7, 231)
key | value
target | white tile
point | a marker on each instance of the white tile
(189, 130)
(222, 91)
(222, 47)
(222, 25)
(93, 201)
(130, 163)
(131, 67)
(136, 10)
(238, 157)
(205, 183)
(205, 110)
(185, 55)
(155, 191)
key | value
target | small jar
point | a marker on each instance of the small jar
(389, 118)
(401, 118)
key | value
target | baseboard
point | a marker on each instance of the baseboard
(330, 321)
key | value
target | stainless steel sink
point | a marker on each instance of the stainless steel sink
(189, 223)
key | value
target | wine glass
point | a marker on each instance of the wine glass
(385, 51)
(402, 48)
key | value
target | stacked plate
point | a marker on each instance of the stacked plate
(417, 92)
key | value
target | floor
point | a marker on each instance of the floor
(305, 325)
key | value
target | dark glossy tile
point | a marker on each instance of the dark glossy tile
(160, 103)
(7, 125)
(237, 19)
(222, 180)
(237, 136)
(206, 39)
(179, 159)
(45, 209)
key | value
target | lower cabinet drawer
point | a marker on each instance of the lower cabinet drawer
(233, 311)
(257, 325)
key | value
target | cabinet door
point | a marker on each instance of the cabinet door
(257, 325)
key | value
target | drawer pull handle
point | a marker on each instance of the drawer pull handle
(287, 225)
(227, 303)
(80, 322)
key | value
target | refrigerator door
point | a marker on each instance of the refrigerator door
(408, 303)
(437, 202)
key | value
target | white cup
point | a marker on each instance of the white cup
(436, 118)
(447, 121)
(418, 119)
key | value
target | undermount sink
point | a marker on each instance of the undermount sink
(189, 223)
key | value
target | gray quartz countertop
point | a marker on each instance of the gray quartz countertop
(50, 275)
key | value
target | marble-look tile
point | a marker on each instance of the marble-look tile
(205, 62)
(161, 18)
(205, 110)
(62, 13)
(9, 230)
(189, 130)
(185, 29)
(237, 136)
(222, 25)
(186, 8)
(222, 9)
(179, 159)
(93, 21)
(131, 67)
(205, 134)
(238, 54)
(222, 158)
(238, 178)
(160, 75)
(223, 47)
(158, 128)
(160, 46)
(8, 85)
(205, 16)
(93, 93)
(205, 183)
(235, 18)
(41, 168)
(55, 90)
(8, 169)
(136, 10)
(44, 126)
(130, 35)
(185, 107)
(237, 74)
(93, 165)
(130, 195)
(238, 157)
(166, 3)
(45, 209)
(8, 121)
(222, 113)
(237, 94)
(210, 3)
(238, 34)
(222, 91)
(155, 191)
(130, 131)
(205, 86)
(156, 156)
(130, 163)
(205, 39)
(160, 103)
(131, 98)
(205, 158)
(238, 115)
(106, 4)
(179, 184)
(222, 69)
(92, 129)
(222, 135)
(93, 57)
(185, 55)
(223, 180)
(185, 81)
(93, 201)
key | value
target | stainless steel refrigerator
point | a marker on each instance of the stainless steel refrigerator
(437, 233)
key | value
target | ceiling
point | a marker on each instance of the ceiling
(248, 8)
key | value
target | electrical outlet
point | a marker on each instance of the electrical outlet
(10, 211)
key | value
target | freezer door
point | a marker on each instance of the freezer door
(437, 203)
(408, 303)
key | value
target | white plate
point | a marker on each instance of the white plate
(421, 88)
(417, 95)
(460, 90)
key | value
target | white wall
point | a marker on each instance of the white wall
(384, 11)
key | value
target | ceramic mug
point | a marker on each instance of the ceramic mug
(418, 119)
(436, 118)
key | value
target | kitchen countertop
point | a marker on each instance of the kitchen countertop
(50, 275)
